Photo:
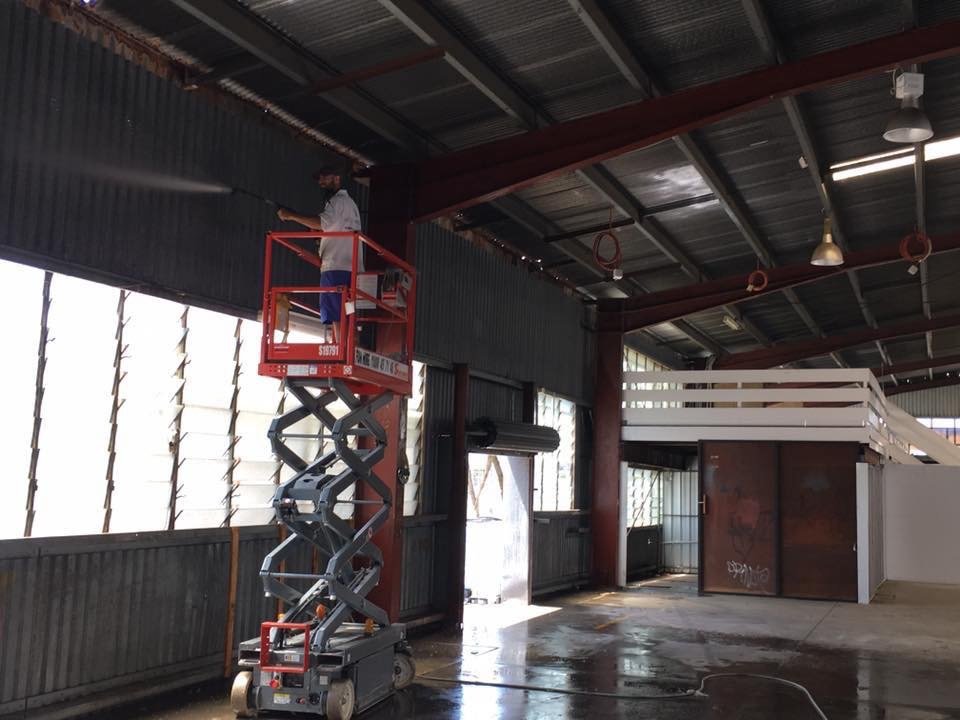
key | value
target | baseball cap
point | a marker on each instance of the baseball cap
(325, 170)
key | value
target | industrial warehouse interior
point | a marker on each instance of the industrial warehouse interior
(480, 359)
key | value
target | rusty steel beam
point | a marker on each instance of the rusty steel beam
(773, 52)
(624, 222)
(925, 364)
(936, 382)
(802, 349)
(668, 305)
(488, 171)
(372, 71)
(605, 487)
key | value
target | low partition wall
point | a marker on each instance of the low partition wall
(87, 622)
(921, 535)
(770, 405)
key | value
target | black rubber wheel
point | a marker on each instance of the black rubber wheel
(341, 699)
(404, 671)
(240, 695)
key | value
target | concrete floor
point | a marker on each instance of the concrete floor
(897, 659)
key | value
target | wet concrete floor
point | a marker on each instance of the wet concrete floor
(896, 659)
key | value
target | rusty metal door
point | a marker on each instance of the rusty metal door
(818, 520)
(739, 543)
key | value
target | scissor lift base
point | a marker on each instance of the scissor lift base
(370, 663)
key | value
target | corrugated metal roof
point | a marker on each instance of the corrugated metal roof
(543, 50)
(760, 154)
(809, 27)
(658, 175)
(688, 43)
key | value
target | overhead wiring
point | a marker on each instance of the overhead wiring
(613, 261)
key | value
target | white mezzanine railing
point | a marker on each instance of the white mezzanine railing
(816, 405)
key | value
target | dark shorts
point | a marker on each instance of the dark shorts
(330, 301)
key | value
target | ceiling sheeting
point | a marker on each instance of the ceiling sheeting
(543, 53)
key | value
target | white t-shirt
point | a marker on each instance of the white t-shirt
(339, 214)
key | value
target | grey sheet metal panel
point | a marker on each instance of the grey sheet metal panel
(85, 614)
(680, 536)
(437, 446)
(943, 402)
(96, 157)
(496, 400)
(420, 569)
(477, 307)
(561, 550)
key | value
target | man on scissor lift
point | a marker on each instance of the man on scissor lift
(340, 213)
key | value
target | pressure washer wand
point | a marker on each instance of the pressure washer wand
(268, 201)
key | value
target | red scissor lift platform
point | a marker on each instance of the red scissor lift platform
(377, 299)
(333, 652)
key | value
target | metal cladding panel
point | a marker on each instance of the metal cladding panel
(832, 303)
(561, 551)
(688, 43)
(681, 522)
(494, 400)
(815, 26)
(352, 36)
(253, 607)
(658, 174)
(475, 307)
(421, 580)
(356, 34)
(438, 445)
(545, 50)
(569, 200)
(941, 402)
(774, 314)
(643, 551)
(111, 172)
(760, 153)
(85, 613)
(710, 239)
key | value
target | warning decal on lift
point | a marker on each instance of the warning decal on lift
(381, 364)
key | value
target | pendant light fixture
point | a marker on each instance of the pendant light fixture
(909, 124)
(827, 253)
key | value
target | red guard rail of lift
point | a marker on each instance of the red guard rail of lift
(266, 652)
(382, 298)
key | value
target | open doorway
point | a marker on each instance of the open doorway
(497, 563)
(483, 568)
(660, 514)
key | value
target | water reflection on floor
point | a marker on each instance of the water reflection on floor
(897, 659)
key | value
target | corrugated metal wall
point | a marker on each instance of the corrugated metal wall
(494, 400)
(561, 551)
(941, 402)
(680, 521)
(425, 562)
(643, 551)
(475, 307)
(79, 615)
(95, 156)
(104, 168)
(106, 172)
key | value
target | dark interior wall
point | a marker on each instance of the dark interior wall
(103, 165)
(478, 308)
(108, 171)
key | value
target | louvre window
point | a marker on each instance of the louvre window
(554, 473)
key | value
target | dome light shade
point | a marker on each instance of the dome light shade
(827, 253)
(909, 124)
